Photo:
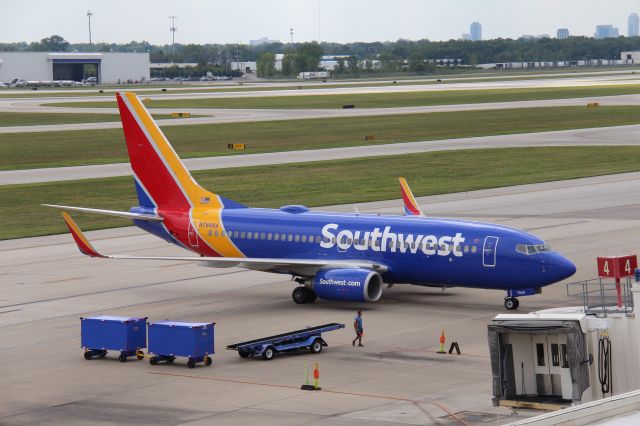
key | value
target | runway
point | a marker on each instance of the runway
(619, 135)
(395, 379)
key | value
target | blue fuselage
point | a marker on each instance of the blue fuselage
(422, 251)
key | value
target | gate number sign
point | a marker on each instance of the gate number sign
(617, 266)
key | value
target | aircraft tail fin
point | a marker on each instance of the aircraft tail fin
(161, 178)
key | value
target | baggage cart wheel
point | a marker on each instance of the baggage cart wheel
(207, 360)
(191, 363)
(268, 353)
(316, 346)
(171, 359)
(153, 360)
(88, 356)
(122, 357)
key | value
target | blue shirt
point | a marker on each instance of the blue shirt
(359, 321)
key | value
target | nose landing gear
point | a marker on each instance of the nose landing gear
(511, 303)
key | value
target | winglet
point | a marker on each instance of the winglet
(410, 205)
(83, 244)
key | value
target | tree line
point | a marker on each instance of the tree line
(391, 56)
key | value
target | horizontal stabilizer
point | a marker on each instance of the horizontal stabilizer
(129, 215)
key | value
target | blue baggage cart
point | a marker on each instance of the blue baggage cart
(171, 339)
(104, 333)
(308, 338)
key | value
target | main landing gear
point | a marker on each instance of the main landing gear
(302, 295)
(511, 303)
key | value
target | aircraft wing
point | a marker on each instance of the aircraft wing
(411, 207)
(305, 267)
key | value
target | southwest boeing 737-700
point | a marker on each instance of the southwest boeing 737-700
(333, 256)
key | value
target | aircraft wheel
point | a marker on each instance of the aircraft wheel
(511, 303)
(299, 295)
(311, 295)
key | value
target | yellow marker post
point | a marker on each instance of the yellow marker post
(237, 146)
(442, 340)
(181, 114)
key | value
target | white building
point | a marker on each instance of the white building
(108, 67)
(632, 57)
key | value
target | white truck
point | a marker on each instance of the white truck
(313, 75)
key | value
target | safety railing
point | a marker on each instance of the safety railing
(600, 296)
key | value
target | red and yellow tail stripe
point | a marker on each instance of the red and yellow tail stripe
(167, 181)
(83, 244)
(410, 204)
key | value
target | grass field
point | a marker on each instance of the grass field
(35, 119)
(56, 149)
(320, 183)
(383, 100)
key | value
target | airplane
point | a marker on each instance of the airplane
(331, 256)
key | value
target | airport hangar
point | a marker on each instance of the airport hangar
(108, 67)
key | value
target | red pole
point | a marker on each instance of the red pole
(619, 292)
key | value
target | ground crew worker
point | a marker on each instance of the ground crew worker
(357, 325)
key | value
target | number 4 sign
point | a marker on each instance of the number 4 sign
(617, 266)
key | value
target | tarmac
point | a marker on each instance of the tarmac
(397, 378)
(601, 136)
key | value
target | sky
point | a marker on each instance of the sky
(215, 21)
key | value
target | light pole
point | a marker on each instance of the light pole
(173, 30)
(291, 33)
(89, 15)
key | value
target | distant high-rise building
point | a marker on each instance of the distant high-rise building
(562, 33)
(476, 31)
(606, 31)
(633, 25)
(466, 36)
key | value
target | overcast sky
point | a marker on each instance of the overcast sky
(230, 21)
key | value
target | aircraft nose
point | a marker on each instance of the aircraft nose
(561, 268)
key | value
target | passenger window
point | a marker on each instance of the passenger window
(555, 356)
(224, 233)
(318, 239)
(304, 238)
(290, 238)
(564, 360)
(466, 249)
(310, 238)
(269, 236)
(276, 237)
(242, 234)
(540, 354)
(215, 233)
(262, 236)
(333, 240)
(474, 249)
(210, 232)
(297, 238)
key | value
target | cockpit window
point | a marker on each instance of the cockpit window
(533, 248)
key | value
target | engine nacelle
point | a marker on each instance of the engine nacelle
(353, 285)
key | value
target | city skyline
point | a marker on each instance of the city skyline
(201, 22)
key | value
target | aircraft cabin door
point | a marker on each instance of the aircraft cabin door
(193, 237)
(489, 252)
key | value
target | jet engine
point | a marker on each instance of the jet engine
(353, 285)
